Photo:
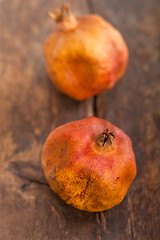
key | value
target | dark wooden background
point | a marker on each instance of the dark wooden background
(30, 108)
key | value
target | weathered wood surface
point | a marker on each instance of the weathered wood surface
(30, 108)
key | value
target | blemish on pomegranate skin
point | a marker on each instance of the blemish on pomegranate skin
(116, 181)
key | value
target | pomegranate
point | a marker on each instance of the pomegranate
(84, 55)
(89, 164)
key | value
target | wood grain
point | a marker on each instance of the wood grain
(30, 108)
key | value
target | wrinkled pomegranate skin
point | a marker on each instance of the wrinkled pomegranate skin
(87, 60)
(80, 174)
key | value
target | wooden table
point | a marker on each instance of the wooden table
(30, 108)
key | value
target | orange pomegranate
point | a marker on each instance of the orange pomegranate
(89, 164)
(84, 55)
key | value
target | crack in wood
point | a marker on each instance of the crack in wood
(95, 109)
(90, 6)
(27, 171)
(34, 181)
(101, 221)
(30, 181)
(132, 232)
(24, 186)
(98, 219)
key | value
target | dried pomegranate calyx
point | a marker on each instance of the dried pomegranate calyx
(105, 140)
(64, 17)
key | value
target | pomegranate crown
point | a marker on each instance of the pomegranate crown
(107, 136)
(60, 14)
(65, 19)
